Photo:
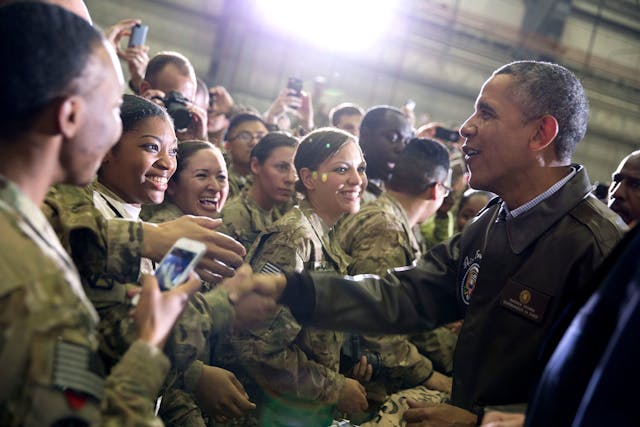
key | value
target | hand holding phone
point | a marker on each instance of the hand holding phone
(138, 35)
(179, 262)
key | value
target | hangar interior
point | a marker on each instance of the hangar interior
(435, 52)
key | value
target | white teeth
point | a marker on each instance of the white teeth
(158, 179)
(208, 200)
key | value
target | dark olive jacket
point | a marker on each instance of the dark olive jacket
(509, 279)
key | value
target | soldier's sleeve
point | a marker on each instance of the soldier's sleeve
(379, 245)
(106, 251)
(278, 252)
(56, 376)
(132, 386)
(272, 356)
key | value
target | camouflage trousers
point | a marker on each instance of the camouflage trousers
(390, 413)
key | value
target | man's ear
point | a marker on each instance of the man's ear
(430, 193)
(306, 176)
(70, 115)
(545, 133)
(255, 165)
(143, 87)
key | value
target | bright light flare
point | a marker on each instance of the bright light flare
(344, 25)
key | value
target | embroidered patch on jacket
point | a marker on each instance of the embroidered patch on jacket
(525, 301)
(471, 267)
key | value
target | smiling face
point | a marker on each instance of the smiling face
(335, 188)
(496, 140)
(138, 168)
(202, 186)
(275, 178)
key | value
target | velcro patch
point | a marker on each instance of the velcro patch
(79, 369)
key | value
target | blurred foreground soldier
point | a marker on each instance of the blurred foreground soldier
(59, 119)
(514, 268)
(624, 193)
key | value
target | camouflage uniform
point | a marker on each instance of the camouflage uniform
(296, 367)
(165, 211)
(244, 220)
(374, 189)
(107, 254)
(379, 237)
(48, 345)
(238, 182)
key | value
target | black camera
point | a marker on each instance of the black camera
(449, 135)
(352, 354)
(176, 106)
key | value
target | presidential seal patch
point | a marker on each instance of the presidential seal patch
(471, 267)
(469, 282)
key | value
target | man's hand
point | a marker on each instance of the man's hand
(156, 311)
(250, 308)
(353, 397)
(197, 128)
(270, 285)
(502, 419)
(221, 395)
(362, 370)
(137, 58)
(439, 382)
(116, 32)
(223, 254)
(437, 415)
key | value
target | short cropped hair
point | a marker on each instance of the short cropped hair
(45, 49)
(263, 149)
(162, 59)
(374, 116)
(421, 163)
(545, 88)
(240, 118)
(344, 109)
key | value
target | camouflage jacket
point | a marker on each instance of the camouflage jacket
(49, 341)
(378, 238)
(238, 182)
(284, 358)
(244, 220)
(166, 211)
(107, 254)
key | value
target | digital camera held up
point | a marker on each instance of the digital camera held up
(176, 106)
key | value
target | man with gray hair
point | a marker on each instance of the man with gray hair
(512, 271)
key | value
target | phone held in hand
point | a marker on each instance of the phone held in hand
(138, 35)
(178, 263)
(295, 84)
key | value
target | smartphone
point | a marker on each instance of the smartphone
(295, 84)
(179, 262)
(447, 134)
(138, 35)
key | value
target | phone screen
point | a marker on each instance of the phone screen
(175, 267)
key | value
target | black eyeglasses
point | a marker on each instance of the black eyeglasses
(447, 189)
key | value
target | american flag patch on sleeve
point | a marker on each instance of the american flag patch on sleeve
(270, 268)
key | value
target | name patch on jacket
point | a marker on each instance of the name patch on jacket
(525, 301)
